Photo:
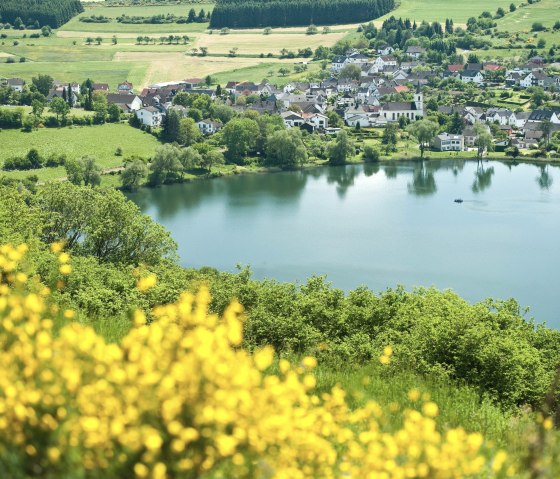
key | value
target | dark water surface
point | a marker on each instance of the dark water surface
(380, 226)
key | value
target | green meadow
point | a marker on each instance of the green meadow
(99, 141)
(75, 25)
(439, 10)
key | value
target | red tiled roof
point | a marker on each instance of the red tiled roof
(455, 68)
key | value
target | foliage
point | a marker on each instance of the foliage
(341, 149)
(179, 398)
(134, 174)
(239, 138)
(100, 223)
(424, 131)
(285, 148)
(165, 166)
(274, 13)
(53, 13)
(371, 154)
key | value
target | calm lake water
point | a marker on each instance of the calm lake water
(380, 226)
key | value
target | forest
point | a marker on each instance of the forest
(274, 13)
(53, 13)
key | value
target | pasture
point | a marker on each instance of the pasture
(76, 142)
(139, 11)
(545, 12)
(439, 10)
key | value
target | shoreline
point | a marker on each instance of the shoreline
(262, 170)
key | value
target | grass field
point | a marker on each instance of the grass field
(545, 11)
(98, 141)
(256, 43)
(66, 56)
(141, 11)
(439, 10)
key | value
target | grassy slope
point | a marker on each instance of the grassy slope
(460, 406)
(98, 141)
(439, 10)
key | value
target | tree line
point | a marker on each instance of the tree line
(275, 13)
(53, 13)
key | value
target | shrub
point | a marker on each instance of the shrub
(179, 396)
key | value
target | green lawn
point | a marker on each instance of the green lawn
(99, 141)
(265, 70)
(75, 25)
(439, 10)
(102, 71)
(545, 11)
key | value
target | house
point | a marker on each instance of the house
(521, 118)
(448, 142)
(414, 110)
(470, 137)
(526, 81)
(292, 119)
(100, 87)
(209, 127)
(355, 116)
(338, 63)
(357, 58)
(471, 76)
(150, 116)
(318, 120)
(507, 129)
(15, 84)
(551, 115)
(385, 61)
(455, 68)
(75, 87)
(61, 92)
(514, 78)
(193, 82)
(125, 87)
(501, 116)
(125, 101)
(415, 52)
(477, 67)
(230, 87)
(385, 50)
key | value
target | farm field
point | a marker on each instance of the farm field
(66, 57)
(74, 143)
(255, 43)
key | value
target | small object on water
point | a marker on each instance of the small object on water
(458, 200)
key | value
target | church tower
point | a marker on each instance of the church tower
(419, 101)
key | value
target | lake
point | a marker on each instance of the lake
(380, 226)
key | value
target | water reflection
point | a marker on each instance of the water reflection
(391, 171)
(423, 179)
(482, 178)
(343, 178)
(371, 169)
(544, 180)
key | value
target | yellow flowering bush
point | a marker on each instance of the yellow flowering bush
(179, 398)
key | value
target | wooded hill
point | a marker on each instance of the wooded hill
(285, 13)
(47, 12)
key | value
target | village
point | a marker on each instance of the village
(360, 92)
